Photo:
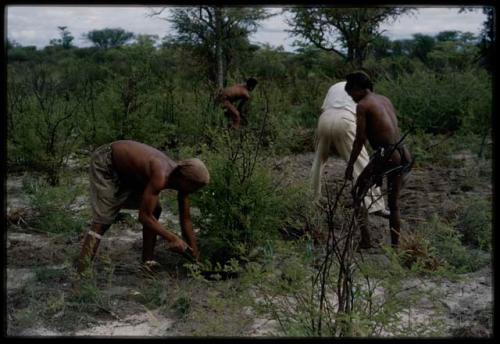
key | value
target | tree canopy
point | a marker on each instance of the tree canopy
(218, 34)
(347, 32)
(108, 38)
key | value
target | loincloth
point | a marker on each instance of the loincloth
(108, 194)
(382, 166)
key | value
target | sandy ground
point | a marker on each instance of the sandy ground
(467, 302)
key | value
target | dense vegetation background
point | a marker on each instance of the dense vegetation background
(62, 98)
(64, 101)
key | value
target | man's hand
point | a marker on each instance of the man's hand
(348, 172)
(178, 246)
(184, 250)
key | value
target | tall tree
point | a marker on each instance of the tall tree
(488, 39)
(423, 45)
(108, 38)
(65, 40)
(487, 36)
(214, 30)
(347, 32)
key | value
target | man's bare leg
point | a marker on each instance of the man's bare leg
(360, 189)
(233, 113)
(90, 245)
(394, 187)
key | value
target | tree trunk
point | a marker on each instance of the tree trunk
(218, 47)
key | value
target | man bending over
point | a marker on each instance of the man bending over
(229, 95)
(130, 175)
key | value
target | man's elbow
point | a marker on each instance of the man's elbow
(146, 219)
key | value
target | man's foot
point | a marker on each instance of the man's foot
(382, 213)
(150, 266)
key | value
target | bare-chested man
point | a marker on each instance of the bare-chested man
(130, 175)
(376, 121)
(229, 95)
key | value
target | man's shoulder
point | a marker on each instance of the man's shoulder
(372, 100)
(160, 168)
(162, 161)
(364, 104)
(380, 97)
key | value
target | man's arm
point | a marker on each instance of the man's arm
(186, 223)
(244, 98)
(359, 140)
(150, 199)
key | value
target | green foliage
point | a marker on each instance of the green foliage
(88, 290)
(217, 35)
(47, 274)
(43, 124)
(254, 207)
(341, 29)
(65, 40)
(475, 222)
(381, 296)
(155, 292)
(53, 207)
(109, 37)
(440, 102)
(431, 149)
(60, 100)
(418, 255)
(446, 242)
(182, 305)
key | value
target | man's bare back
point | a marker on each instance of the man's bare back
(235, 92)
(381, 122)
(136, 161)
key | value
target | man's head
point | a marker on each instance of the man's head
(251, 83)
(357, 85)
(190, 175)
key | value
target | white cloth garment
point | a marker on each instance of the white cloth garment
(335, 135)
(337, 98)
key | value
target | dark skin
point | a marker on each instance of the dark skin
(228, 96)
(150, 170)
(376, 122)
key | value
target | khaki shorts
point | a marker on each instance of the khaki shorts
(107, 193)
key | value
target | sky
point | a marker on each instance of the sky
(37, 25)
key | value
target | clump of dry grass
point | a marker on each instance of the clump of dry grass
(417, 250)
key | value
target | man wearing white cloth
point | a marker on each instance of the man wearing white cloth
(335, 134)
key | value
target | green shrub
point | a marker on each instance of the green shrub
(474, 224)
(242, 206)
(446, 243)
(430, 149)
(440, 102)
(52, 205)
(155, 293)
(182, 305)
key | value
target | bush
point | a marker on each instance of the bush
(446, 243)
(440, 102)
(429, 149)
(474, 224)
(242, 206)
(418, 254)
(52, 206)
